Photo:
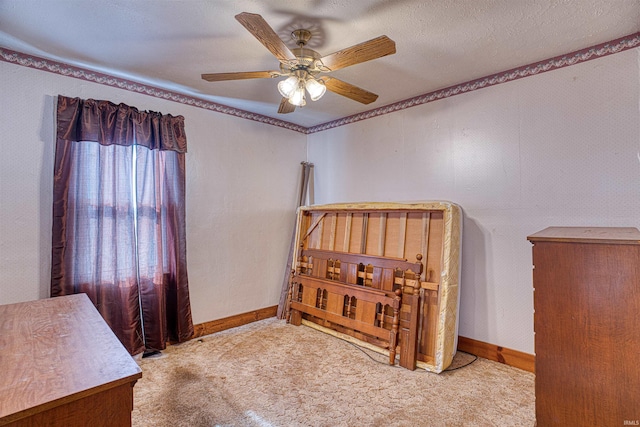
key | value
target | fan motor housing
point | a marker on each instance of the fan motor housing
(306, 59)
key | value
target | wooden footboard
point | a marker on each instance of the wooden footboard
(372, 298)
(357, 308)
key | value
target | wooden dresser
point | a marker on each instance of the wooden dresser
(587, 326)
(63, 366)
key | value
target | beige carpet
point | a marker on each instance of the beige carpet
(269, 373)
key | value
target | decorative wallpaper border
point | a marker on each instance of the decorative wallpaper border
(130, 85)
(598, 51)
(618, 45)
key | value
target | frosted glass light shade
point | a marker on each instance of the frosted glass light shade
(287, 86)
(297, 98)
(315, 88)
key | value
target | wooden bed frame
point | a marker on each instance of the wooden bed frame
(351, 277)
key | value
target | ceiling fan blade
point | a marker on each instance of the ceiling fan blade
(257, 26)
(366, 51)
(286, 107)
(216, 77)
(347, 89)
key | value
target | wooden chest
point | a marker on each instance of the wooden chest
(587, 326)
(383, 274)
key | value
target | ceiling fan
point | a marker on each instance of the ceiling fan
(304, 67)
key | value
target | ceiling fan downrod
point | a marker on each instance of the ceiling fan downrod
(301, 36)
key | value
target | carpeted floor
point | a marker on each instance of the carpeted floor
(269, 373)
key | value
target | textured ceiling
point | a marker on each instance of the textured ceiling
(169, 44)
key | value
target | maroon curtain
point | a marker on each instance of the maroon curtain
(119, 219)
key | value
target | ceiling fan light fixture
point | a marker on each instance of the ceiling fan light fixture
(288, 86)
(299, 66)
(297, 97)
(315, 88)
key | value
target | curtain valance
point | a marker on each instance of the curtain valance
(108, 124)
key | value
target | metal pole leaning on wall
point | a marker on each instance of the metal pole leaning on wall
(310, 186)
(307, 169)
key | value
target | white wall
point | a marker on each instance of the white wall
(560, 148)
(241, 194)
